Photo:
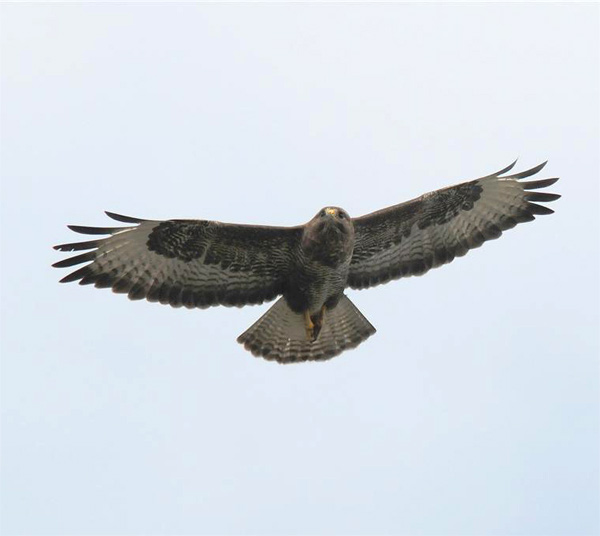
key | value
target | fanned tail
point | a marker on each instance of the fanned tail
(280, 335)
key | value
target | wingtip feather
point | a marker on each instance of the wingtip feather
(543, 183)
(539, 210)
(82, 229)
(507, 168)
(528, 172)
(542, 196)
(122, 218)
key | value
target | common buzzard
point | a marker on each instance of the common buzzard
(200, 263)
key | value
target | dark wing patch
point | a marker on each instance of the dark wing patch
(182, 240)
(413, 237)
(193, 263)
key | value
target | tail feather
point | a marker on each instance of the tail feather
(280, 335)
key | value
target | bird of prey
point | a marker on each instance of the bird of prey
(201, 263)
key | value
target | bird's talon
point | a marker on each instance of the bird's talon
(309, 326)
(317, 324)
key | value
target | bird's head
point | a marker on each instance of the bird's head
(330, 234)
(333, 219)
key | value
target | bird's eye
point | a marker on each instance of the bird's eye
(322, 213)
(342, 214)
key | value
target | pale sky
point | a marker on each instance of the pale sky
(473, 410)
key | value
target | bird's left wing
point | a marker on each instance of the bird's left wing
(413, 237)
(194, 263)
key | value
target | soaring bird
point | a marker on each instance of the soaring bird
(201, 263)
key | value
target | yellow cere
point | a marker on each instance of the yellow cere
(331, 211)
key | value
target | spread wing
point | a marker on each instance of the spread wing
(413, 237)
(194, 263)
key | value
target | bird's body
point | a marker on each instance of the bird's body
(199, 263)
(321, 268)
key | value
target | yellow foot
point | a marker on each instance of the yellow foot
(317, 321)
(309, 326)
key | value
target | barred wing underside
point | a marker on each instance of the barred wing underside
(191, 263)
(413, 237)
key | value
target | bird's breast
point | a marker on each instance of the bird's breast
(330, 246)
(314, 283)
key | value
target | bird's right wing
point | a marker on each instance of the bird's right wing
(194, 263)
(413, 237)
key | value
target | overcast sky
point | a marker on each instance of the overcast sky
(473, 410)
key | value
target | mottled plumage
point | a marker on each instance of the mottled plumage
(198, 263)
